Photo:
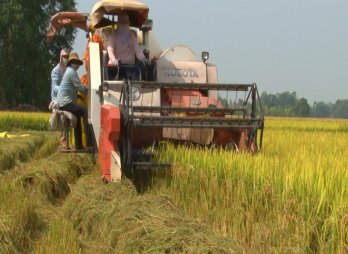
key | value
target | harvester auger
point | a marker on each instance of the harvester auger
(176, 97)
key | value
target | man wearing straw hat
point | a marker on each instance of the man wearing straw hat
(67, 96)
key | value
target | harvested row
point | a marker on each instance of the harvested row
(30, 196)
(32, 218)
(23, 147)
(115, 219)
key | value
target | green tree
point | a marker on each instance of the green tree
(340, 109)
(26, 59)
(287, 99)
(280, 104)
(302, 108)
(321, 109)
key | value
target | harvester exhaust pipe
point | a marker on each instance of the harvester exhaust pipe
(146, 28)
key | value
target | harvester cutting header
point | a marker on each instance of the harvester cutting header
(166, 94)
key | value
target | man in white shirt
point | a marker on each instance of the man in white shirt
(123, 45)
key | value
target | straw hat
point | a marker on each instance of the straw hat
(74, 58)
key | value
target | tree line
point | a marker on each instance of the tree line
(290, 105)
(26, 59)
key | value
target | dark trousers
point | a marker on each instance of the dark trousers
(132, 72)
(80, 111)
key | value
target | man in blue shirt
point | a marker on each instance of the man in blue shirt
(56, 78)
(58, 72)
(67, 96)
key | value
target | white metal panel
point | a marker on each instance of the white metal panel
(140, 96)
(115, 169)
(180, 53)
(203, 136)
(94, 106)
(181, 72)
(212, 77)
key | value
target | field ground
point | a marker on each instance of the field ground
(289, 198)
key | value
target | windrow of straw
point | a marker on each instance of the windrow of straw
(30, 198)
(21, 147)
(115, 219)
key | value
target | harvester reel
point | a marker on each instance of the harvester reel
(126, 152)
(252, 142)
(236, 118)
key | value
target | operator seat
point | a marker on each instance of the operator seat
(123, 71)
(68, 120)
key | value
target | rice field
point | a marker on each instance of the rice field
(289, 198)
(10, 120)
(56, 203)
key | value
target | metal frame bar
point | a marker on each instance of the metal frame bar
(196, 122)
(193, 86)
(254, 122)
(168, 109)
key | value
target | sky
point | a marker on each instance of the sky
(281, 45)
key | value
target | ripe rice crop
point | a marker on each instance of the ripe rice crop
(289, 198)
(23, 120)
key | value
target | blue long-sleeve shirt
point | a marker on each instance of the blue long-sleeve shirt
(69, 87)
(56, 79)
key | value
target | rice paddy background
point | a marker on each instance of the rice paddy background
(289, 198)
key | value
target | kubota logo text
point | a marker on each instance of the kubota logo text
(185, 73)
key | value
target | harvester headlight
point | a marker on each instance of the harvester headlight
(205, 56)
(135, 94)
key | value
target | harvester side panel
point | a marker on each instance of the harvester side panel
(212, 78)
(94, 73)
(108, 142)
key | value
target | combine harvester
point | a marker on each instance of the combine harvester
(177, 97)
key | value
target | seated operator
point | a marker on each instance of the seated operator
(122, 48)
(67, 100)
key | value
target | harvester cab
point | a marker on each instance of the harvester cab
(176, 97)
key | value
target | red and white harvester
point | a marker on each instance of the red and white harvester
(176, 97)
